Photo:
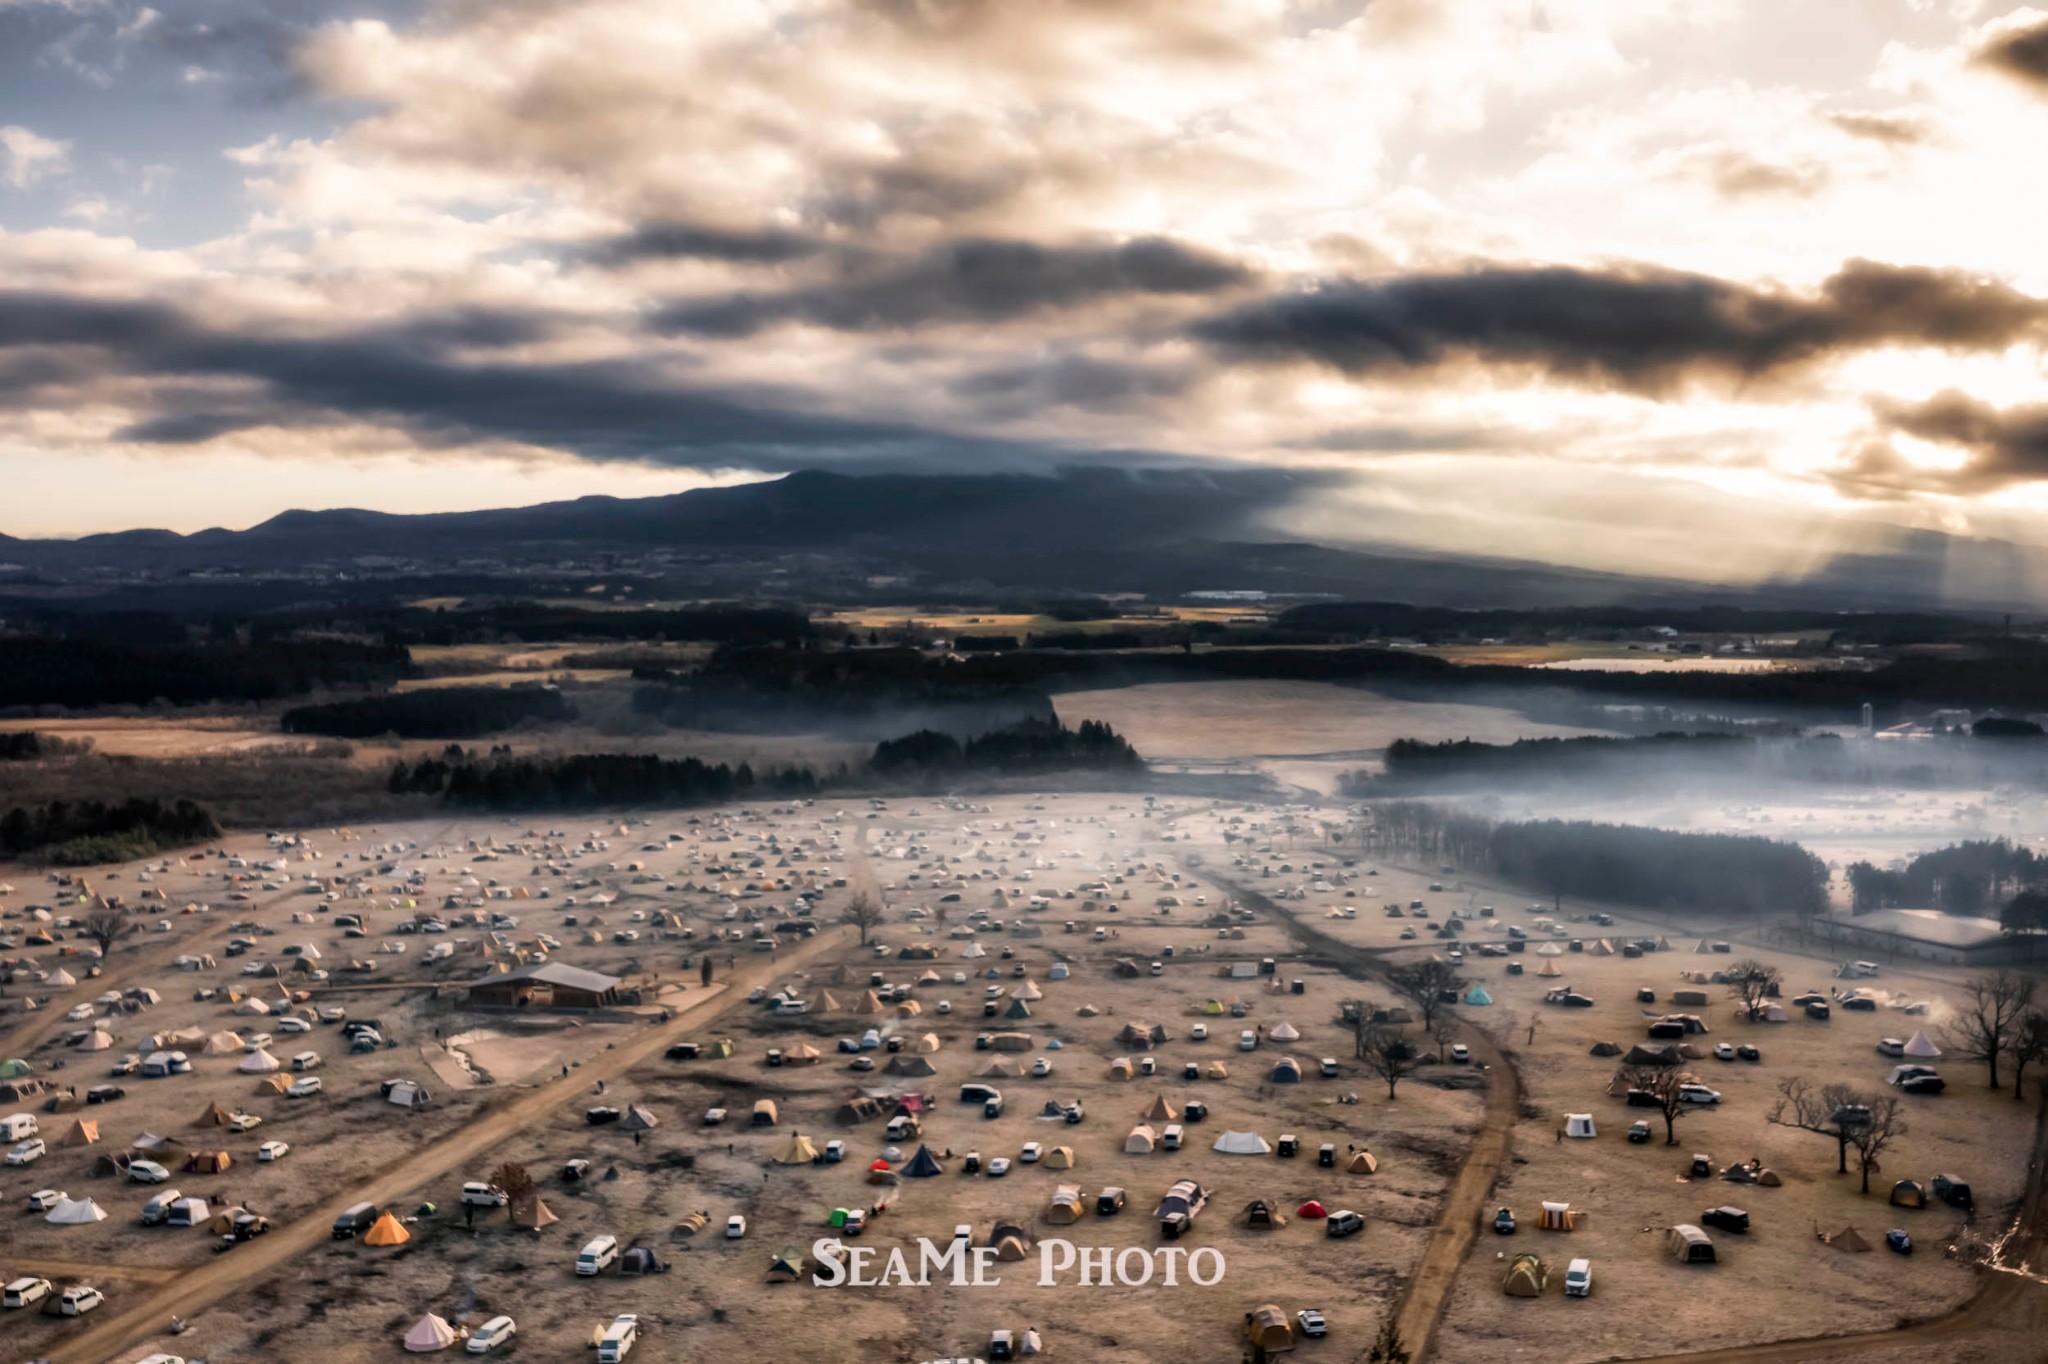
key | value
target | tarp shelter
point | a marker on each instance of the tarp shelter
(429, 1334)
(1477, 995)
(1141, 1141)
(75, 1212)
(1064, 1208)
(1059, 1158)
(1909, 1193)
(82, 1133)
(1688, 1245)
(1558, 1217)
(208, 1162)
(1159, 1110)
(923, 1165)
(1579, 1125)
(797, 1150)
(388, 1231)
(1847, 1239)
(1526, 1277)
(1266, 1328)
(530, 1212)
(1920, 1047)
(1242, 1144)
(1362, 1163)
(764, 1113)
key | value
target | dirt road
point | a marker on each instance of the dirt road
(1457, 1224)
(205, 1284)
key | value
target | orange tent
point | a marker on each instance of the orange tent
(388, 1232)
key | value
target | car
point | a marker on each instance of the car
(575, 1171)
(147, 1172)
(80, 1013)
(1578, 1279)
(1723, 1051)
(1199, 1033)
(1638, 1133)
(1109, 1202)
(1327, 1067)
(861, 1063)
(1343, 1222)
(271, 1151)
(713, 1116)
(1726, 1219)
(1029, 1155)
(77, 1301)
(1002, 1344)
(301, 1089)
(105, 1094)
(1891, 1046)
(1504, 1221)
(999, 1167)
(1698, 1094)
(25, 1293)
(1897, 1239)
(42, 1200)
(1460, 1053)
(333, 1014)
(1247, 1040)
(1749, 1053)
(735, 1227)
(293, 1025)
(602, 1114)
(1041, 1068)
(1922, 1084)
(1312, 1324)
(243, 1122)
(491, 1335)
(127, 1065)
(26, 1152)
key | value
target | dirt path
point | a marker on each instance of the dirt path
(205, 1284)
(1457, 1225)
(85, 1271)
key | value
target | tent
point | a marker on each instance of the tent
(1002, 1067)
(1909, 1193)
(1579, 1125)
(429, 1334)
(1362, 1163)
(787, 1266)
(1141, 1141)
(1919, 1046)
(1605, 1049)
(1028, 990)
(208, 1162)
(638, 1119)
(802, 1054)
(1266, 1328)
(82, 1133)
(273, 1084)
(1018, 1009)
(1548, 968)
(99, 1039)
(860, 1108)
(75, 1212)
(531, 1213)
(1010, 1041)
(1143, 1036)
(1311, 1211)
(1065, 1205)
(223, 1220)
(764, 1113)
(191, 1212)
(215, 1116)
(388, 1231)
(1550, 949)
(719, 1050)
(13, 1068)
(111, 1163)
(927, 1044)
(1558, 1217)
(1774, 1013)
(1477, 995)
(923, 1165)
(1242, 1144)
(1011, 1245)
(1059, 1158)
(1286, 1071)
(1159, 1110)
(641, 1260)
(1120, 1068)
(1526, 1277)
(902, 1064)
(258, 1063)
(1688, 1245)
(691, 1224)
(1847, 1239)
(1284, 1032)
(1261, 1213)
(797, 1150)
(1640, 1055)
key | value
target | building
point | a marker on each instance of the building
(1931, 935)
(546, 985)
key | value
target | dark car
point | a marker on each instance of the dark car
(105, 1094)
(1638, 1133)
(683, 1051)
(1923, 1084)
(1749, 1053)
(1727, 1219)
(1504, 1222)
(1109, 1202)
(601, 1115)
(1860, 1004)
(1953, 1191)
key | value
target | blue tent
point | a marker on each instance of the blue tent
(1477, 995)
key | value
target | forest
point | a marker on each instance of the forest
(85, 672)
(83, 833)
(1966, 878)
(432, 713)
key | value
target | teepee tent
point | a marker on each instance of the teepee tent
(923, 1165)
(531, 1213)
(429, 1334)
(1159, 1110)
(1920, 1046)
(1285, 1032)
(388, 1231)
(258, 1063)
(798, 1150)
(1477, 995)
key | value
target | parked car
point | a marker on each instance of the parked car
(1578, 1279)
(147, 1172)
(303, 1088)
(492, 1334)
(1724, 1051)
(998, 1167)
(1042, 1067)
(1460, 1053)
(1029, 1155)
(1698, 1094)
(1109, 1202)
(244, 1122)
(272, 1151)
(77, 1301)
(735, 1227)
(1504, 1222)
(42, 1200)
(1312, 1324)
(1749, 1053)
(25, 1293)
(105, 1094)
(1638, 1133)
(26, 1152)
(1343, 1223)
(1727, 1219)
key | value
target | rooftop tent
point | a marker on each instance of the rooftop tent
(1267, 1328)
(75, 1212)
(1059, 1158)
(1311, 1210)
(1120, 1068)
(1558, 1217)
(797, 1150)
(1549, 968)
(1141, 1141)
(638, 1119)
(1286, 1071)
(1919, 1046)
(787, 1266)
(214, 1116)
(1018, 1009)
(1526, 1277)
(1909, 1193)
(429, 1334)
(1579, 1125)
(530, 1212)
(764, 1113)
(1362, 1163)
(99, 1039)
(923, 1165)
(258, 1063)
(221, 1044)
(1260, 1213)
(927, 1044)
(1159, 1110)
(388, 1231)
(1477, 995)
(909, 1065)
(1688, 1245)
(1003, 1067)
(82, 1133)
(1065, 1205)
(1285, 1032)
(1847, 1239)
(1242, 1144)
(208, 1162)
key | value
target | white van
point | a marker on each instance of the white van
(25, 1293)
(601, 1254)
(618, 1339)
(15, 1126)
(1170, 1139)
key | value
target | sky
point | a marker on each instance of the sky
(1702, 287)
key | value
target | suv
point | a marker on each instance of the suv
(1699, 1094)
(1504, 1222)
(1312, 1323)
(1578, 1279)
(1726, 1218)
(1343, 1223)
(1109, 1202)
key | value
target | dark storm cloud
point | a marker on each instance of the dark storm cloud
(692, 241)
(2021, 53)
(1644, 329)
(2003, 445)
(1083, 382)
(974, 280)
(402, 374)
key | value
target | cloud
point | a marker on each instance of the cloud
(1642, 329)
(1892, 130)
(1738, 175)
(697, 241)
(2001, 446)
(976, 280)
(2020, 52)
(30, 156)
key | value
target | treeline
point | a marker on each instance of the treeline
(1029, 746)
(1627, 864)
(1966, 878)
(533, 622)
(432, 713)
(501, 781)
(83, 833)
(1411, 763)
(26, 746)
(81, 672)
(1435, 624)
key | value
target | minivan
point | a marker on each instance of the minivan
(618, 1339)
(1171, 1137)
(355, 1221)
(15, 1126)
(601, 1254)
(25, 1293)
(1343, 1223)
(1578, 1279)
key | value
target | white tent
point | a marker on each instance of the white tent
(1579, 1125)
(60, 978)
(1550, 949)
(429, 1334)
(1141, 1141)
(259, 1062)
(99, 1039)
(1242, 1144)
(973, 950)
(1027, 991)
(74, 1212)
(223, 1043)
(252, 1006)
(1920, 1046)
(1285, 1032)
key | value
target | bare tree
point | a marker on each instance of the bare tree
(1988, 1017)
(512, 1180)
(1753, 983)
(1871, 1138)
(1665, 1087)
(1443, 1030)
(864, 914)
(106, 927)
(2029, 1044)
(1424, 984)
(1387, 1053)
(1857, 1120)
